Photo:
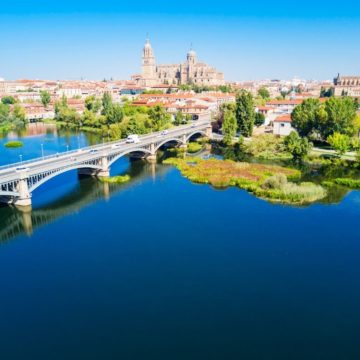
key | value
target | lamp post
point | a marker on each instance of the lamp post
(67, 148)
(20, 156)
(42, 151)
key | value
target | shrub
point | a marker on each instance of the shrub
(266, 146)
(297, 146)
(339, 142)
(275, 182)
(115, 179)
(14, 144)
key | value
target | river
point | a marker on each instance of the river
(161, 268)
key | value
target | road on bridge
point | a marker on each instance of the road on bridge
(18, 180)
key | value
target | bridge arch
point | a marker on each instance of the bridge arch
(62, 171)
(179, 141)
(197, 132)
(122, 154)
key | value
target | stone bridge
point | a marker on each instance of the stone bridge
(18, 181)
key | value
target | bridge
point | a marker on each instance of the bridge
(24, 220)
(18, 181)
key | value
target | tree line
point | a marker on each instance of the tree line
(12, 115)
(111, 119)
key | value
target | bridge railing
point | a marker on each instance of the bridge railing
(63, 154)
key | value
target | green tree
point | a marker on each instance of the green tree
(45, 98)
(4, 111)
(66, 114)
(8, 100)
(259, 119)
(107, 104)
(284, 94)
(92, 104)
(115, 114)
(356, 125)
(179, 118)
(304, 117)
(340, 142)
(264, 93)
(160, 119)
(135, 126)
(297, 146)
(340, 116)
(19, 113)
(229, 126)
(90, 119)
(245, 113)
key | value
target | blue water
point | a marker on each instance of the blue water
(161, 268)
(44, 143)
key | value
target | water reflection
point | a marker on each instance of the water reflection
(15, 222)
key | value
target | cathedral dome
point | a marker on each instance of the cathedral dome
(191, 53)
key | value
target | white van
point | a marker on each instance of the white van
(132, 139)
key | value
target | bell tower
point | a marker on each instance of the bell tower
(148, 63)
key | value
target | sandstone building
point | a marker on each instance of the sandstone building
(347, 85)
(190, 72)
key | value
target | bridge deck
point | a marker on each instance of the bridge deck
(89, 156)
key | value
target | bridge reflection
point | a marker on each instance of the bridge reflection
(15, 222)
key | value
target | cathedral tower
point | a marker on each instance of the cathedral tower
(148, 63)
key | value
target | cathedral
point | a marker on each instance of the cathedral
(347, 85)
(190, 72)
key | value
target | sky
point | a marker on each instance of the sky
(246, 40)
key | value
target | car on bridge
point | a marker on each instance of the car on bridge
(133, 139)
(93, 151)
(22, 168)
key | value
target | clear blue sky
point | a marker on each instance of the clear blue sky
(251, 40)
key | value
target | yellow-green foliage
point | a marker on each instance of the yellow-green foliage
(265, 181)
(14, 144)
(266, 146)
(116, 179)
(347, 182)
(193, 147)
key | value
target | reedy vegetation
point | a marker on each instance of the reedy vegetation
(265, 181)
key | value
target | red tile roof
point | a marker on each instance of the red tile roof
(283, 118)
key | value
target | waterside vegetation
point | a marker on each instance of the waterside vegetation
(270, 182)
(14, 144)
(120, 179)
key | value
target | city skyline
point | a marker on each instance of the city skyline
(74, 41)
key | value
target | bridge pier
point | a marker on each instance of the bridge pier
(184, 142)
(209, 132)
(152, 156)
(24, 198)
(105, 170)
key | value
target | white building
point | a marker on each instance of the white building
(282, 125)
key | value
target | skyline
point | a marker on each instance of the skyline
(92, 41)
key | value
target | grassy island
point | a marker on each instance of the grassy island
(265, 181)
(14, 144)
(115, 179)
